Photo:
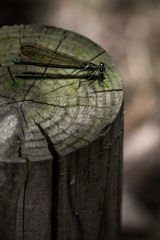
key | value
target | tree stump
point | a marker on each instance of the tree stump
(61, 141)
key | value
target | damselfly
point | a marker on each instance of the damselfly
(40, 56)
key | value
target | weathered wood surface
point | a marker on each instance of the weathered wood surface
(60, 147)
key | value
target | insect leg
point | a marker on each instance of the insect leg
(92, 81)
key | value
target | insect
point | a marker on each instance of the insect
(45, 57)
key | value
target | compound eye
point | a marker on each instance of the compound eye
(102, 68)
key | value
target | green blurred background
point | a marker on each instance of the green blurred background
(130, 32)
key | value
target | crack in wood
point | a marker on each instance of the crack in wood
(55, 181)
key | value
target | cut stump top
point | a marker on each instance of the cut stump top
(40, 103)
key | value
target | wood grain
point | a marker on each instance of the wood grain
(60, 145)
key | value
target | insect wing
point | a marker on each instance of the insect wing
(45, 56)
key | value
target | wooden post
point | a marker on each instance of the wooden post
(60, 143)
